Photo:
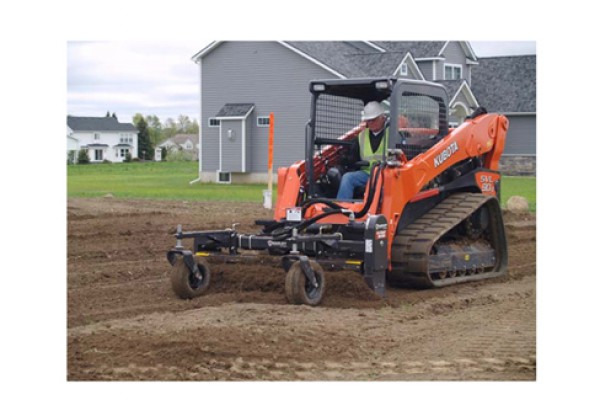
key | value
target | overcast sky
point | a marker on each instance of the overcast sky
(159, 78)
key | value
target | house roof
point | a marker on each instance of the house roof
(451, 86)
(454, 87)
(181, 138)
(352, 61)
(349, 60)
(505, 84)
(418, 49)
(335, 54)
(106, 124)
(235, 110)
(501, 84)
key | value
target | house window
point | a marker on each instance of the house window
(98, 155)
(223, 177)
(96, 136)
(262, 121)
(452, 72)
(123, 152)
(126, 138)
(403, 70)
(213, 123)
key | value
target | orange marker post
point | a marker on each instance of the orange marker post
(267, 194)
(270, 164)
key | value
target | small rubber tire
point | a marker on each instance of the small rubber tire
(297, 290)
(184, 284)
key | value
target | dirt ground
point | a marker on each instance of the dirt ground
(125, 322)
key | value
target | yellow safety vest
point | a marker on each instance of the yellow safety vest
(366, 152)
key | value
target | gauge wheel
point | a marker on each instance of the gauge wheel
(297, 288)
(185, 284)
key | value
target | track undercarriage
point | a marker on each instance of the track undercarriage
(460, 240)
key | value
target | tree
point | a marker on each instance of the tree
(183, 124)
(155, 129)
(145, 148)
(169, 128)
(83, 157)
(194, 127)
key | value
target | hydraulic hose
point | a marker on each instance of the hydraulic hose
(281, 230)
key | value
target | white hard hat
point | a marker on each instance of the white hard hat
(372, 110)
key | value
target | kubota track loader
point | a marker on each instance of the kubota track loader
(429, 215)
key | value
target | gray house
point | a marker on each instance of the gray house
(242, 82)
(507, 85)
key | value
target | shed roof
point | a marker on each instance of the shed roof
(235, 110)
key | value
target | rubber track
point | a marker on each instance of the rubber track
(412, 246)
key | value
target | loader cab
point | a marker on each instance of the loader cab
(336, 112)
(417, 119)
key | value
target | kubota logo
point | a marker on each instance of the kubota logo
(444, 155)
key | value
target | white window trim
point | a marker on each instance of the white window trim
(219, 172)
(263, 125)
(408, 58)
(213, 119)
(126, 138)
(459, 66)
(403, 69)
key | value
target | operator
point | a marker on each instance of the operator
(368, 147)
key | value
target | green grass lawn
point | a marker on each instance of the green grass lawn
(150, 180)
(519, 186)
(170, 180)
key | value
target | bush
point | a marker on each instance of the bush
(83, 157)
(71, 157)
(127, 157)
(181, 155)
(105, 161)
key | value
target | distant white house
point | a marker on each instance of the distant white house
(104, 138)
(182, 142)
(72, 145)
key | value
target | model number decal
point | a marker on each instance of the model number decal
(445, 154)
(487, 183)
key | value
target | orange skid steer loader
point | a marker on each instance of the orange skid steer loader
(429, 215)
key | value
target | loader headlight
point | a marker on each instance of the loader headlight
(318, 87)
(382, 85)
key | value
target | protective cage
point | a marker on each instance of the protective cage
(334, 116)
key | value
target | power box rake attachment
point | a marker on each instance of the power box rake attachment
(308, 250)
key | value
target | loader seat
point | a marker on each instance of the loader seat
(332, 183)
